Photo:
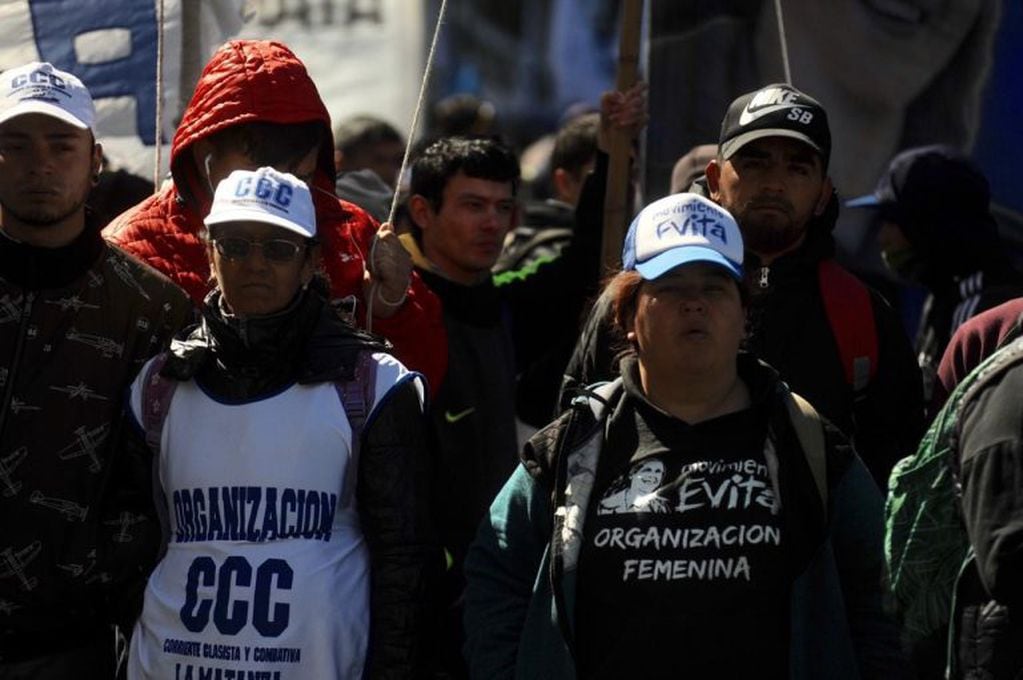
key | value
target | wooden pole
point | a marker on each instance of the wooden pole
(616, 196)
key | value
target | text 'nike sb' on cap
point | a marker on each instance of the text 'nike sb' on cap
(680, 229)
(39, 87)
(778, 110)
(264, 195)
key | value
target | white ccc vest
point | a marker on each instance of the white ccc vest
(266, 570)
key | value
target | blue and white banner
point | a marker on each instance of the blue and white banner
(366, 56)
(112, 46)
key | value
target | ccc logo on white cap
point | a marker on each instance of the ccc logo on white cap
(38, 78)
(265, 189)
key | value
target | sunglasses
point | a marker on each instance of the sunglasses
(275, 249)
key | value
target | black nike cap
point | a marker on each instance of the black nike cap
(777, 110)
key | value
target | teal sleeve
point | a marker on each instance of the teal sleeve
(501, 570)
(857, 533)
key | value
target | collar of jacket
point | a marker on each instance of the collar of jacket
(239, 359)
(478, 305)
(539, 455)
(308, 342)
(760, 380)
(818, 245)
(35, 268)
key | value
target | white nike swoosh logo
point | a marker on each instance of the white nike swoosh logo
(748, 116)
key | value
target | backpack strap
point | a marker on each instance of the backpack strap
(597, 396)
(851, 316)
(810, 432)
(357, 396)
(157, 393)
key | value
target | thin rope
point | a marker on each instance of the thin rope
(159, 96)
(784, 42)
(424, 83)
(419, 104)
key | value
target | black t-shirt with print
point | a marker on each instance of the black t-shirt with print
(682, 572)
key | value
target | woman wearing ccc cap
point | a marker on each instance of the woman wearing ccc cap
(767, 562)
(293, 545)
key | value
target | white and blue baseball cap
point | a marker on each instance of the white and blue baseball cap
(264, 195)
(680, 229)
(40, 87)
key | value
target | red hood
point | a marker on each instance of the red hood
(249, 81)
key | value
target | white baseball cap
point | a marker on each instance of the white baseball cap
(679, 229)
(39, 87)
(264, 195)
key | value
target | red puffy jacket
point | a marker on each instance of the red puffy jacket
(261, 81)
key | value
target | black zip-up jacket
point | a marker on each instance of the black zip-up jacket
(241, 360)
(789, 329)
(498, 330)
(76, 324)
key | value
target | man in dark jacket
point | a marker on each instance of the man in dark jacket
(771, 174)
(463, 204)
(77, 320)
(937, 231)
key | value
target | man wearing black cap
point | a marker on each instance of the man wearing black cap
(833, 340)
(771, 174)
(937, 231)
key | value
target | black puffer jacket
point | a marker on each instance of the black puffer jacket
(789, 329)
(236, 360)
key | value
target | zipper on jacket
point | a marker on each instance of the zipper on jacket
(5, 405)
(763, 282)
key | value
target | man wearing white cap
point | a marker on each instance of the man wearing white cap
(79, 318)
(290, 454)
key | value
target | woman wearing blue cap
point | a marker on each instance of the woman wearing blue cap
(754, 549)
(290, 459)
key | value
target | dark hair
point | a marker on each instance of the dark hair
(358, 132)
(623, 288)
(270, 144)
(576, 144)
(462, 114)
(476, 157)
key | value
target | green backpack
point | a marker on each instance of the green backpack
(926, 546)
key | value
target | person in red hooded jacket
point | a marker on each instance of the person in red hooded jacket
(256, 105)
